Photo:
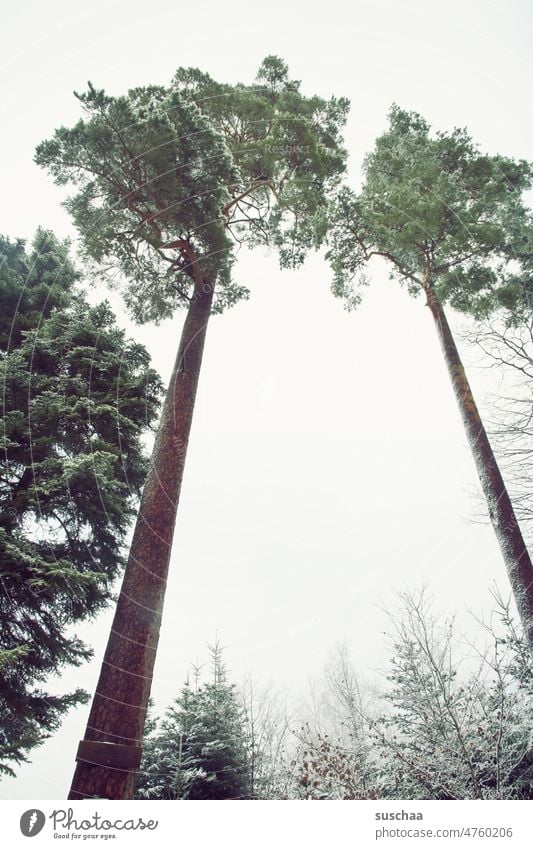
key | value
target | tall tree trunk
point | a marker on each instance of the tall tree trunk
(504, 521)
(110, 753)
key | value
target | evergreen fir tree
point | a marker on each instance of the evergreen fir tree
(77, 396)
(200, 751)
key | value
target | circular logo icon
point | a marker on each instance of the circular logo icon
(32, 822)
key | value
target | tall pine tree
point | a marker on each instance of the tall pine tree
(452, 225)
(166, 182)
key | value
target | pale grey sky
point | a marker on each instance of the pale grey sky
(327, 465)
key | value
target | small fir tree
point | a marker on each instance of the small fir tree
(200, 750)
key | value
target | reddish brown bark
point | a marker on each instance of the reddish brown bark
(502, 515)
(119, 706)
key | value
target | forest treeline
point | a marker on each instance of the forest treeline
(165, 184)
(448, 719)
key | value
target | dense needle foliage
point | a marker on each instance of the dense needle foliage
(200, 749)
(77, 396)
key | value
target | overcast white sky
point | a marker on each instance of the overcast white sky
(327, 465)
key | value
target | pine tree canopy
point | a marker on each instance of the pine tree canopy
(167, 176)
(443, 214)
(77, 396)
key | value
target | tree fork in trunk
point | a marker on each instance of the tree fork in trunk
(501, 512)
(110, 753)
